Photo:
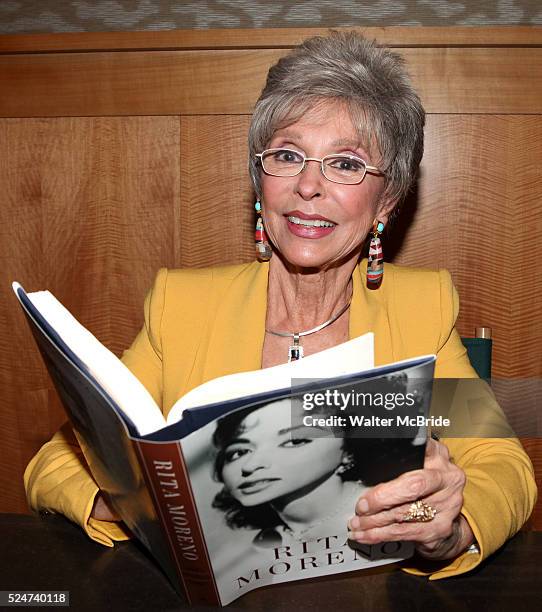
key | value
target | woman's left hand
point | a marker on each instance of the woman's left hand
(380, 512)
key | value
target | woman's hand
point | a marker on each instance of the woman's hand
(380, 512)
(103, 511)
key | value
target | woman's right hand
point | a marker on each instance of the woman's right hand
(103, 511)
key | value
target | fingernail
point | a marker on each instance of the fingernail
(353, 523)
(363, 506)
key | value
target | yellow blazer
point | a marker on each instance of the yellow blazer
(205, 323)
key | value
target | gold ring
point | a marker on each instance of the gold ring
(419, 512)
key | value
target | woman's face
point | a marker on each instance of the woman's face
(269, 459)
(325, 129)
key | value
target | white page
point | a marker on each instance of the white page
(123, 387)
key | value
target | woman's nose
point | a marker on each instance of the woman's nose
(310, 181)
(256, 461)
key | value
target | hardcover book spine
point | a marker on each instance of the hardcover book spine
(167, 479)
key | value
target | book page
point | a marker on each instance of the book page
(117, 380)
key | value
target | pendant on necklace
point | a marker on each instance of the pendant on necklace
(295, 351)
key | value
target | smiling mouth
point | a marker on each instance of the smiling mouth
(310, 222)
(254, 486)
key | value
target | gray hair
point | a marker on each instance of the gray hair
(369, 80)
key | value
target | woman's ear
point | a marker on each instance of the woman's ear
(384, 209)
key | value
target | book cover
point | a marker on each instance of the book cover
(252, 490)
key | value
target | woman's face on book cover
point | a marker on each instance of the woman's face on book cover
(268, 459)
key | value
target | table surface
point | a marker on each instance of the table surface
(50, 553)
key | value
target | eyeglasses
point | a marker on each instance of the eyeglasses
(337, 168)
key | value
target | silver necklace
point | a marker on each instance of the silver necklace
(295, 350)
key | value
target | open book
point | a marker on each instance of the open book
(252, 478)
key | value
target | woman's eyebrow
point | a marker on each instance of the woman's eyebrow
(286, 133)
(289, 429)
(348, 142)
(238, 441)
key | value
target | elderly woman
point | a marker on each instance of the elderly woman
(335, 141)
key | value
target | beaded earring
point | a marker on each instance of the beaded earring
(346, 464)
(263, 248)
(375, 263)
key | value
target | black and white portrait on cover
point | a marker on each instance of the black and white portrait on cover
(275, 496)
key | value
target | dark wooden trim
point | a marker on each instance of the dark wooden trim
(265, 38)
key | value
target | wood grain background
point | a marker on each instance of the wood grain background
(106, 144)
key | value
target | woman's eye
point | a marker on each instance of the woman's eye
(235, 453)
(287, 156)
(294, 442)
(346, 164)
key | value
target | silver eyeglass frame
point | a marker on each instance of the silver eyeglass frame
(368, 169)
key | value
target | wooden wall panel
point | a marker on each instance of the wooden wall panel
(450, 80)
(477, 211)
(87, 210)
(217, 206)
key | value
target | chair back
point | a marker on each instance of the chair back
(479, 351)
